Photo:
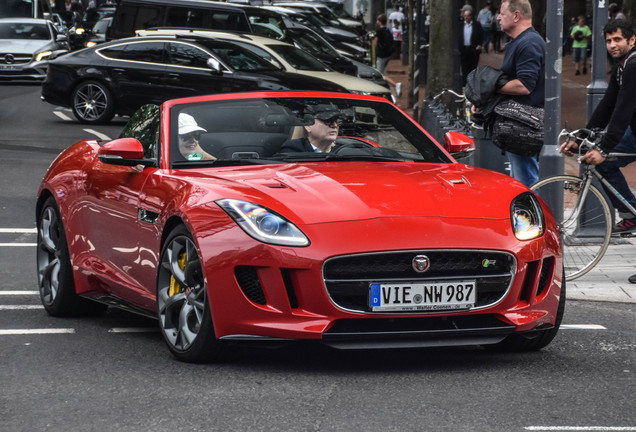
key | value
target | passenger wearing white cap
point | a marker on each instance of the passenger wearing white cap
(189, 133)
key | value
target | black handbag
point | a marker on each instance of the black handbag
(518, 128)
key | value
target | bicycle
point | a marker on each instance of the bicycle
(584, 214)
(462, 105)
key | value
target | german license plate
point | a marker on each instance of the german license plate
(427, 296)
(10, 68)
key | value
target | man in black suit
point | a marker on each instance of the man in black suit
(319, 136)
(470, 44)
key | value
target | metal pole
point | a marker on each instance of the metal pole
(551, 161)
(598, 85)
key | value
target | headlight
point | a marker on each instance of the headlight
(527, 217)
(43, 55)
(263, 224)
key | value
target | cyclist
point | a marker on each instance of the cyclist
(617, 112)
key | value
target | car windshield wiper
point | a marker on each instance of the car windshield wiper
(222, 162)
(365, 157)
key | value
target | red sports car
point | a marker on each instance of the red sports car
(279, 216)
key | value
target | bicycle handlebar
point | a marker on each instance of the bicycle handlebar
(587, 139)
(454, 93)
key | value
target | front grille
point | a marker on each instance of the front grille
(15, 59)
(347, 278)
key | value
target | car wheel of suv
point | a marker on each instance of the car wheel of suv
(93, 103)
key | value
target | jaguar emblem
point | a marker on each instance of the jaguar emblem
(421, 263)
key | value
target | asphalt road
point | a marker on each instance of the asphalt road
(113, 373)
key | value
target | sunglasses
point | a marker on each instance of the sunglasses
(191, 136)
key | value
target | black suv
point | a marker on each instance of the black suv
(134, 15)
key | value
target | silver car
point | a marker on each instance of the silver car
(26, 46)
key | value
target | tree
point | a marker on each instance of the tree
(441, 68)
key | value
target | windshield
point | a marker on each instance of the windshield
(312, 43)
(24, 31)
(270, 130)
(297, 58)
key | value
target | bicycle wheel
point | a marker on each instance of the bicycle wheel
(585, 223)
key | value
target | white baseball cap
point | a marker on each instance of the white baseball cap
(188, 124)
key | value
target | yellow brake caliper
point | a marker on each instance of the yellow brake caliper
(175, 288)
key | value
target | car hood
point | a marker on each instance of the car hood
(342, 191)
(349, 82)
(294, 81)
(21, 46)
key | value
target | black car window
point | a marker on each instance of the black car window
(151, 52)
(144, 125)
(237, 57)
(181, 17)
(183, 54)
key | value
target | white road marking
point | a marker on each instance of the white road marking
(61, 115)
(133, 330)
(18, 230)
(581, 428)
(19, 292)
(582, 327)
(98, 134)
(20, 307)
(11, 332)
(17, 244)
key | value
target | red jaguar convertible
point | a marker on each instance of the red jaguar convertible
(280, 216)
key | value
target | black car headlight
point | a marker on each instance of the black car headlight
(527, 217)
(263, 224)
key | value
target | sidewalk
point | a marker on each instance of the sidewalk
(608, 280)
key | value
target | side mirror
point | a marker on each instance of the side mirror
(458, 144)
(124, 152)
(214, 65)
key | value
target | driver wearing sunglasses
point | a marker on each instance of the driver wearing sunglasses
(321, 135)
(189, 134)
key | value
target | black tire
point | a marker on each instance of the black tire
(538, 339)
(182, 302)
(93, 103)
(55, 275)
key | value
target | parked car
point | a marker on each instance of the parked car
(27, 45)
(277, 25)
(346, 42)
(286, 56)
(98, 32)
(81, 31)
(118, 77)
(384, 241)
(326, 13)
(133, 15)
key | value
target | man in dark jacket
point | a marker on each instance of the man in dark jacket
(320, 136)
(470, 45)
(617, 112)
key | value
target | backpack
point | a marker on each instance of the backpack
(385, 43)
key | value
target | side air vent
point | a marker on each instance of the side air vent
(247, 279)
